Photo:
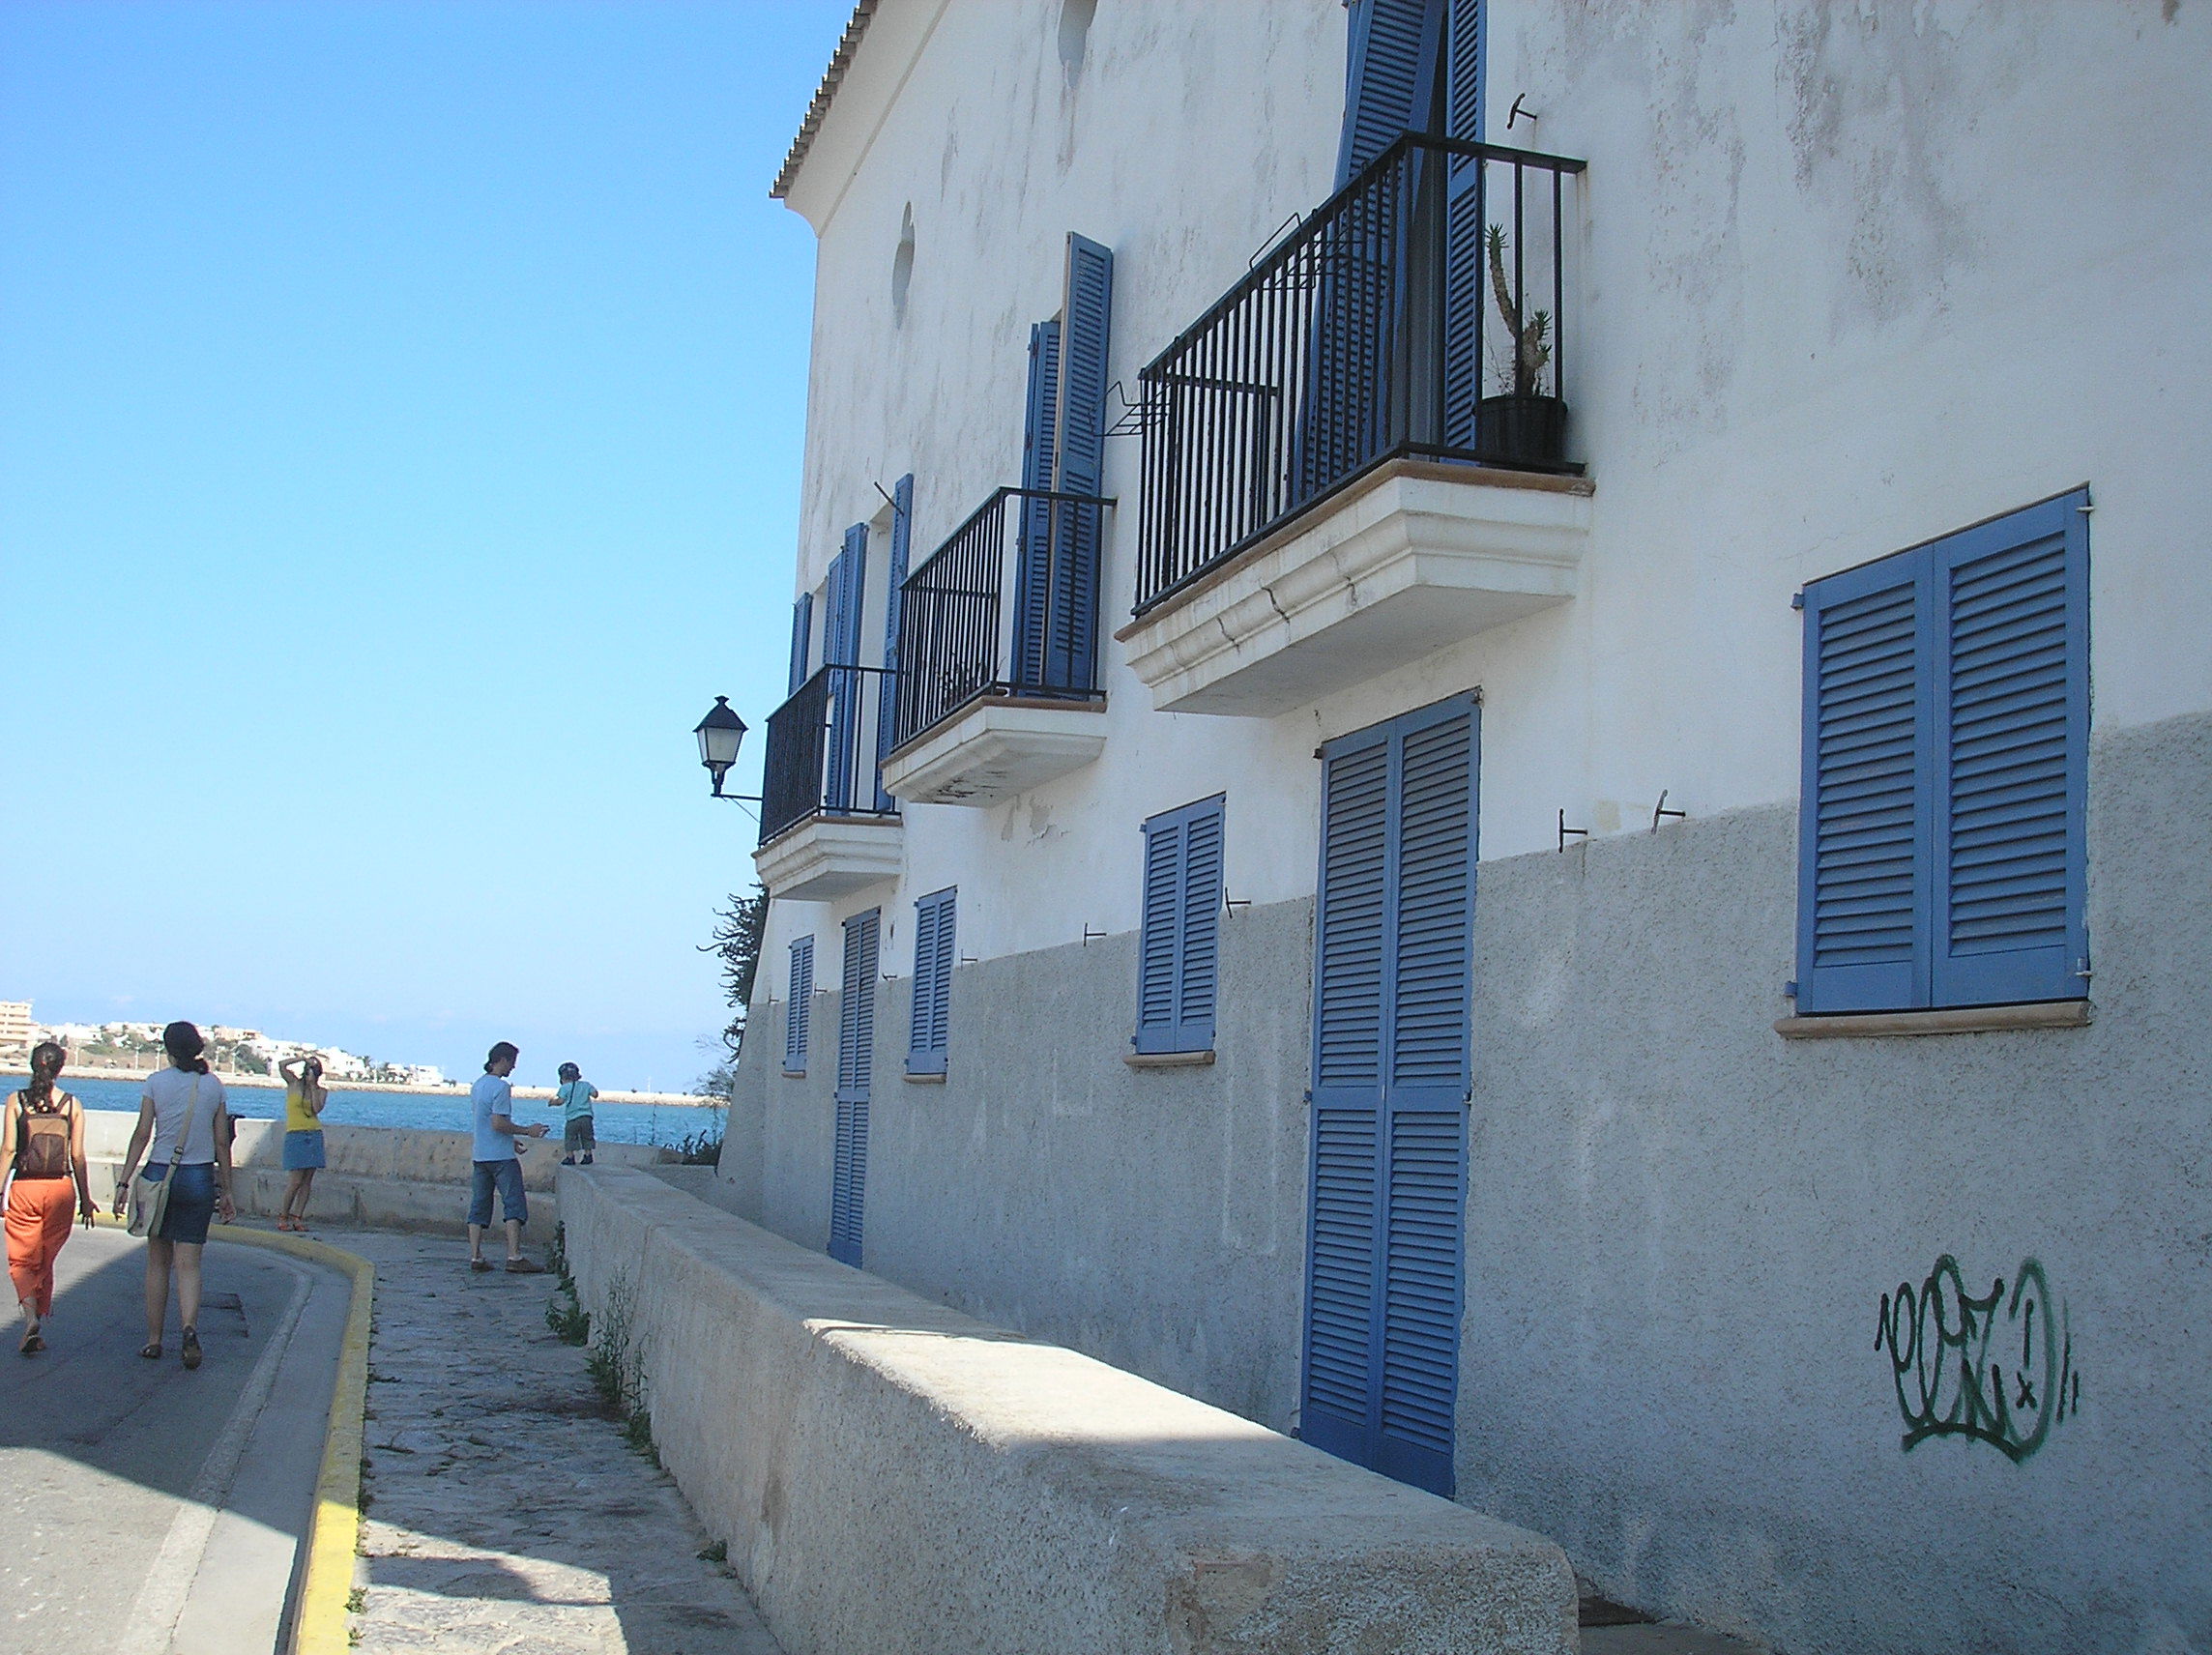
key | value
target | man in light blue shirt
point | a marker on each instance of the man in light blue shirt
(497, 1166)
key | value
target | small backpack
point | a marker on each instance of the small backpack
(43, 1151)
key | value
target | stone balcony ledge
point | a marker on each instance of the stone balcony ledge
(824, 857)
(993, 748)
(1414, 557)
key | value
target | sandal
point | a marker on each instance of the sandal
(32, 1343)
(150, 1353)
(191, 1348)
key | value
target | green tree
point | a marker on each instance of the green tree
(735, 941)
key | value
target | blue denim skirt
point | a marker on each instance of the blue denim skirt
(303, 1151)
(191, 1205)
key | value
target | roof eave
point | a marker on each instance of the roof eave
(864, 14)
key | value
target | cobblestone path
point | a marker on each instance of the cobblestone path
(507, 1515)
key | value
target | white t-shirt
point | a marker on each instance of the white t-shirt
(170, 1092)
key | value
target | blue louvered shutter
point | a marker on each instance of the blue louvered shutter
(799, 1007)
(1178, 939)
(856, 1070)
(2012, 725)
(1345, 1214)
(895, 598)
(1079, 456)
(1390, 72)
(1430, 1006)
(1464, 211)
(1033, 572)
(1392, 1001)
(1197, 946)
(841, 647)
(801, 626)
(1157, 931)
(930, 1031)
(1864, 885)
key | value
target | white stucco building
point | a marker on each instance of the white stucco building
(1563, 844)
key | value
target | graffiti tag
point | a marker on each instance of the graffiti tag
(1996, 1368)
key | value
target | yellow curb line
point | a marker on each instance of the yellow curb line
(319, 1625)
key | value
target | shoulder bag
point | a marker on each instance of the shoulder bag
(150, 1197)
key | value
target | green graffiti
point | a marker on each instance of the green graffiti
(1949, 1350)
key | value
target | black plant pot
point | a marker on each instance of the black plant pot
(1521, 430)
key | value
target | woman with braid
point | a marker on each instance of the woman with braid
(43, 1131)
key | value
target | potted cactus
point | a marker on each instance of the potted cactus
(1524, 423)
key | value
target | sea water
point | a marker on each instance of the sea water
(438, 1112)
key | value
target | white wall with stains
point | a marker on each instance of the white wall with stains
(1851, 275)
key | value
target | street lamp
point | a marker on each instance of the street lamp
(720, 734)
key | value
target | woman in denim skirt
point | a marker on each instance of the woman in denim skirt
(304, 1098)
(182, 1116)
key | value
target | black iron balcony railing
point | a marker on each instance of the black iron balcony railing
(822, 750)
(1007, 606)
(1419, 311)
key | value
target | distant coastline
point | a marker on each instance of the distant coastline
(454, 1089)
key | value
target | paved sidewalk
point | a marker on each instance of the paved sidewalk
(151, 1509)
(506, 1513)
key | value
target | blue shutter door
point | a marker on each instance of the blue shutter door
(1032, 571)
(1079, 456)
(1197, 946)
(1344, 1220)
(841, 647)
(2012, 740)
(1156, 934)
(798, 1008)
(856, 1070)
(1463, 222)
(1389, 79)
(1864, 846)
(802, 625)
(1392, 1004)
(1431, 985)
(894, 601)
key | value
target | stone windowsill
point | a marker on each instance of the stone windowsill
(933, 1079)
(1961, 1020)
(792, 1074)
(1168, 1059)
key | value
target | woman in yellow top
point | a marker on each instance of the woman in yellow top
(303, 1100)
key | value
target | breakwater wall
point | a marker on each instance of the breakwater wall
(457, 1092)
(379, 1177)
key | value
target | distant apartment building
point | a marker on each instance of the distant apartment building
(14, 1025)
(1498, 750)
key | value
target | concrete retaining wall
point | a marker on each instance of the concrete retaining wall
(894, 1476)
(984, 1191)
(379, 1177)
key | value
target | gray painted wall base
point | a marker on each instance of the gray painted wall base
(1681, 1228)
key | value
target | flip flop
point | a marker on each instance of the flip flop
(191, 1348)
(150, 1353)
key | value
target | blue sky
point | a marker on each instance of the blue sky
(401, 410)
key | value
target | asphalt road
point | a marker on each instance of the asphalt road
(146, 1508)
